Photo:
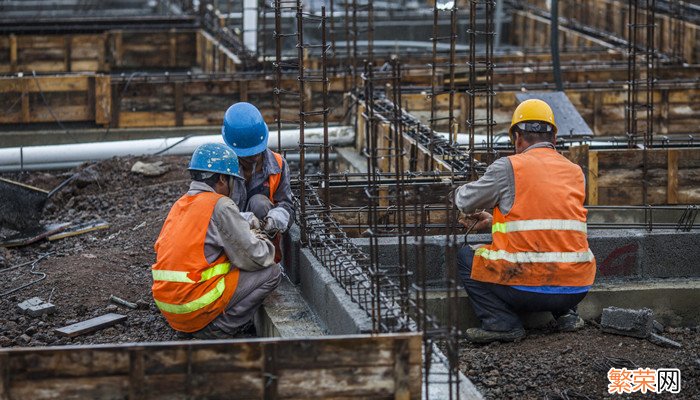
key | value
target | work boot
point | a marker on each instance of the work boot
(478, 335)
(209, 332)
(246, 330)
(570, 322)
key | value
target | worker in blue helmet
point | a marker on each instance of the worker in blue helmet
(267, 191)
(212, 271)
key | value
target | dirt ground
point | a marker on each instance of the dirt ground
(83, 271)
(574, 365)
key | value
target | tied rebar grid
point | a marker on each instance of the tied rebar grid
(385, 152)
(444, 332)
(434, 93)
(481, 76)
(454, 156)
(640, 80)
(215, 23)
(407, 297)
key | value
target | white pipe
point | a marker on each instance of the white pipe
(70, 155)
(250, 25)
(480, 140)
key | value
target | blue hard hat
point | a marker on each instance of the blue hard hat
(244, 129)
(214, 157)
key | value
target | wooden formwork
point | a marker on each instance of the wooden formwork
(363, 366)
(612, 16)
(126, 102)
(615, 177)
(100, 52)
(677, 109)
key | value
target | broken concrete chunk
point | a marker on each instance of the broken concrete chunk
(621, 321)
(150, 169)
(91, 325)
(663, 341)
(36, 307)
(658, 327)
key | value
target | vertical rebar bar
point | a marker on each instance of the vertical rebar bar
(324, 102)
(302, 115)
(278, 71)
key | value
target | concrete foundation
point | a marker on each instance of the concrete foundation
(620, 254)
(674, 303)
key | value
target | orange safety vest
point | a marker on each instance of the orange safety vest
(542, 241)
(274, 182)
(188, 290)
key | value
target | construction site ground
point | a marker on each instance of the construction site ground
(83, 271)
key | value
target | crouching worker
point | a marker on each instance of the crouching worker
(266, 196)
(212, 272)
(539, 259)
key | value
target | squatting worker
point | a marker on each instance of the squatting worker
(539, 259)
(266, 197)
(212, 271)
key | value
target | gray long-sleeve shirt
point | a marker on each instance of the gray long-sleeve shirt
(283, 195)
(228, 232)
(495, 188)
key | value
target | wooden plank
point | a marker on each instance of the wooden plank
(592, 178)
(136, 374)
(107, 387)
(144, 119)
(348, 381)
(13, 53)
(179, 369)
(179, 107)
(91, 325)
(672, 188)
(103, 99)
(270, 372)
(68, 53)
(243, 86)
(117, 48)
(172, 48)
(402, 368)
(4, 376)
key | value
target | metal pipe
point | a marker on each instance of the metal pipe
(69, 155)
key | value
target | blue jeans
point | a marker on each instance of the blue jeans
(496, 306)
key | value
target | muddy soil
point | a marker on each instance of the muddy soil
(574, 365)
(83, 271)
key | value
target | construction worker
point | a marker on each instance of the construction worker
(212, 271)
(539, 259)
(266, 197)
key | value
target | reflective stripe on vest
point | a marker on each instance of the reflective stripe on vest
(539, 225)
(194, 305)
(182, 276)
(535, 257)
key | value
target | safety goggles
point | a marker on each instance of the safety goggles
(534, 127)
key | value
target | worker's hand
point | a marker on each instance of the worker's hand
(275, 221)
(482, 219)
(252, 220)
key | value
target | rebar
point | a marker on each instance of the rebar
(434, 119)
(481, 76)
(643, 76)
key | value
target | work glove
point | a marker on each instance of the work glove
(275, 221)
(252, 220)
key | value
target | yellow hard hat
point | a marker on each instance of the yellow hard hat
(532, 110)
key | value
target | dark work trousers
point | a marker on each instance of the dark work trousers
(496, 305)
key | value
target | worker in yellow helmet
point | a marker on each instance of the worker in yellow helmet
(539, 259)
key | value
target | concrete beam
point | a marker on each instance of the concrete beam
(620, 254)
(672, 301)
